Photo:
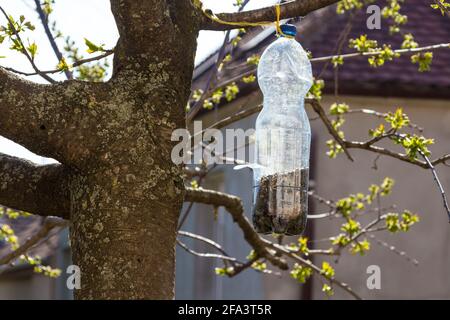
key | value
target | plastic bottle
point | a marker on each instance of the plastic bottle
(283, 138)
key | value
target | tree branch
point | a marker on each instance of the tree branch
(24, 50)
(49, 224)
(204, 255)
(44, 19)
(73, 65)
(288, 10)
(438, 182)
(234, 207)
(376, 53)
(319, 110)
(315, 268)
(40, 190)
(369, 145)
(43, 118)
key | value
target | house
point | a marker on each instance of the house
(17, 279)
(424, 96)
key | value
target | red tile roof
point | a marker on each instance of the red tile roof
(399, 77)
(319, 32)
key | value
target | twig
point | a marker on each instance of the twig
(344, 56)
(319, 110)
(204, 255)
(24, 50)
(438, 182)
(231, 119)
(369, 145)
(185, 215)
(234, 207)
(394, 250)
(317, 270)
(49, 224)
(375, 162)
(340, 42)
(376, 53)
(209, 242)
(442, 7)
(374, 113)
(74, 65)
(44, 19)
(213, 75)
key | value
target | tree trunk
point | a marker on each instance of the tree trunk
(123, 234)
(127, 195)
(116, 180)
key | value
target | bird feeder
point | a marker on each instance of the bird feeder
(283, 138)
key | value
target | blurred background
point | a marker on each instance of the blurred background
(413, 265)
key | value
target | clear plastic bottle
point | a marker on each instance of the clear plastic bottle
(283, 139)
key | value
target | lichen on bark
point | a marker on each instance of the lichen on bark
(113, 143)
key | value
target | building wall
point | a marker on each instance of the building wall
(196, 278)
(415, 190)
(24, 284)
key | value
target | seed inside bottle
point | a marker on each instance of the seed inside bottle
(281, 203)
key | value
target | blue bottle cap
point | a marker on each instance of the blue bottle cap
(289, 30)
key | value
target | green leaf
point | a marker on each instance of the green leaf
(301, 273)
(408, 42)
(398, 119)
(339, 109)
(327, 270)
(327, 290)
(363, 44)
(337, 61)
(231, 91)
(259, 266)
(249, 79)
(253, 60)
(93, 47)
(316, 89)
(424, 61)
(396, 222)
(197, 94)
(217, 96)
(224, 271)
(351, 227)
(360, 247)
(32, 49)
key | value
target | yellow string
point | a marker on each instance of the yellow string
(215, 18)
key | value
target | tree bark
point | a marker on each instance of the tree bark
(289, 9)
(42, 190)
(115, 181)
(126, 199)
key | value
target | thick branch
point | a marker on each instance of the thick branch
(35, 189)
(141, 25)
(43, 118)
(234, 207)
(288, 10)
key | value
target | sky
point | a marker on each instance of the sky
(90, 19)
